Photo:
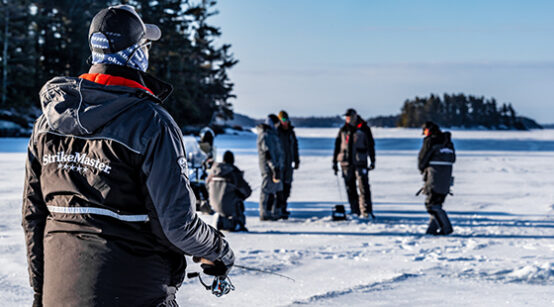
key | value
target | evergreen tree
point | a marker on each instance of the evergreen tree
(212, 84)
(187, 58)
(46, 38)
(62, 27)
(18, 54)
(459, 111)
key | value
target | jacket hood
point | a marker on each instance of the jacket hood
(290, 128)
(222, 169)
(80, 107)
(263, 127)
(440, 138)
(447, 136)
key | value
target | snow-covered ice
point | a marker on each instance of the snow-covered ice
(501, 252)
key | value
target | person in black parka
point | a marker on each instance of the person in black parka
(354, 145)
(108, 212)
(435, 160)
(289, 142)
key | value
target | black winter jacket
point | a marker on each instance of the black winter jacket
(108, 212)
(354, 144)
(435, 160)
(290, 151)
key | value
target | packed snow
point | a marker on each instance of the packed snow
(501, 251)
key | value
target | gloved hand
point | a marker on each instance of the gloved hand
(222, 265)
(335, 168)
(216, 268)
(276, 175)
(296, 164)
(372, 166)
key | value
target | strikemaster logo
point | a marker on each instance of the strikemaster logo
(76, 161)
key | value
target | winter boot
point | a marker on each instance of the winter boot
(442, 219)
(433, 227)
(225, 223)
(266, 206)
(205, 208)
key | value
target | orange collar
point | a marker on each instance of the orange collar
(113, 80)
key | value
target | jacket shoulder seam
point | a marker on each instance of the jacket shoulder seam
(93, 138)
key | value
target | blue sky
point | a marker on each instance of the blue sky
(318, 57)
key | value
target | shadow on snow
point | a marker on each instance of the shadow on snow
(301, 211)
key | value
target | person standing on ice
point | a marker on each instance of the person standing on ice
(271, 160)
(207, 136)
(435, 161)
(228, 190)
(108, 212)
(290, 151)
(353, 146)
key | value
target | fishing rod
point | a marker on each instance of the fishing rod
(262, 271)
(222, 285)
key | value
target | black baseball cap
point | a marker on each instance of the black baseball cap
(350, 112)
(122, 27)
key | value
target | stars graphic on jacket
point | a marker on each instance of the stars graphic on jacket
(73, 167)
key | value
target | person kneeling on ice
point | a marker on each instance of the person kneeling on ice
(435, 161)
(228, 190)
(108, 212)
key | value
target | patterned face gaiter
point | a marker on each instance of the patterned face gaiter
(135, 56)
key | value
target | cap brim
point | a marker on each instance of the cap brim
(153, 33)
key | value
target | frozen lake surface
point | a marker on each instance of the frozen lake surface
(501, 252)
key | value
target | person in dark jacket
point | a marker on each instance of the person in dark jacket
(207, 136)
(206, 144)
(435, 161)
(271, 160)
(353, 146)
(228, 190)
(108, 213)
(291, 159)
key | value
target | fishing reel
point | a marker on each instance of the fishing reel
(220, 286)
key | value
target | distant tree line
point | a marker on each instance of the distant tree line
(459, 110)
(383, 121)
(317, 122)
(45, 38)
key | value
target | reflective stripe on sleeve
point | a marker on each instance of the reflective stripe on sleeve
(219, 179)
(440, 163)
(99, 211)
